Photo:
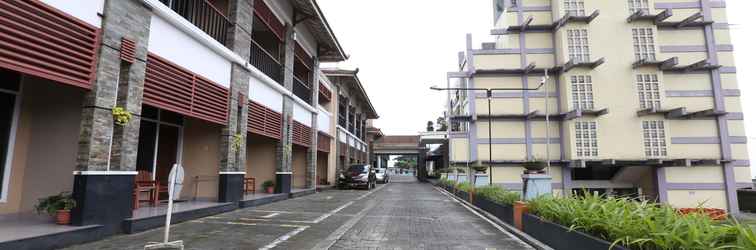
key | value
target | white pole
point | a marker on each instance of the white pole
(548, 133)
(171, 183)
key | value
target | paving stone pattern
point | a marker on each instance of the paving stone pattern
(403, 214)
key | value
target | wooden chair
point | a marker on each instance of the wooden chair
(249, 185)
(143, 183)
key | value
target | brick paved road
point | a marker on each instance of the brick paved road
(401, 215)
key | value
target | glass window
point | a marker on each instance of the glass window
(7, 108)
(648, 91)
(654, 139)
(574, 7)
(643, 44)
(586, 139)
(636, 5)
(577, 45)
(582, 92)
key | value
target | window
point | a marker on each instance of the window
(643, 44)
(648, 91)
(586, 139)
(654, 139)
(9, 87)
(582, 92)
(636, 5)
(574, 7)
(577, 43)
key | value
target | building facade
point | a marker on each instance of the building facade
(228, 89)
(641, 97)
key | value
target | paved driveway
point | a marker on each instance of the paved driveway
(403, 214)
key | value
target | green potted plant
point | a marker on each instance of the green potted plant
(534, 165)
(479, 168)
(268, 186)
(58, 205)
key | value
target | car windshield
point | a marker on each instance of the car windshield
(358, 168)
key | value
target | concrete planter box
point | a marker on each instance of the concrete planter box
(560, 237)
(501, 211)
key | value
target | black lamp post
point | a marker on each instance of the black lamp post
(489, 96)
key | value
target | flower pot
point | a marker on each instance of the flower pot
(534, 166)
(269, 190)
(63, 217)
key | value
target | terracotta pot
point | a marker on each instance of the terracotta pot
(269, 190)
(63, 217)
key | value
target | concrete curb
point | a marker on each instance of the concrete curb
(519, 234)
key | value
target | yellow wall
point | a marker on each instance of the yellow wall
(261, 159)
(460, 149)
(299, 166)
(201, 159)
(696, 198)
(46, 144)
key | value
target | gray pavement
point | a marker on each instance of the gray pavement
(403, 214)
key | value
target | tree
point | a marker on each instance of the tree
(429, 126)
(405, 162)
(441, 124)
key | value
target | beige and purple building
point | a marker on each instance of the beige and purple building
(641, 96)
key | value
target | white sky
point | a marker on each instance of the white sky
(403, 47)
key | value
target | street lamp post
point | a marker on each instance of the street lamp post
(489, 96)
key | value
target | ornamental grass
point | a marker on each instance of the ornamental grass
(641, 224)
(497, 194)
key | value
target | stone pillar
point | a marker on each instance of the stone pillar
(234, 135)
(311, 178)
(104, 176)
(284, 146)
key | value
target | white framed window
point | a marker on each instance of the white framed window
(582, 92)
(577, 44)
(574, 7)
(643, 44)
(10, 101)
(654, 139)
(648, 91)
(636, 5)
(586, 139)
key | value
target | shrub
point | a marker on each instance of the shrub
(446, 182)
(464, 186)
(53, 203)
(497, 194)
(642, 225)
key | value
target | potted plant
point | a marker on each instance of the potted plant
(534, 166)
(59, 206)
(268, 186)
(479, 168)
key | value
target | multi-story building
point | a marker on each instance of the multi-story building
(228, 89)
(353, 119)
(641, 96)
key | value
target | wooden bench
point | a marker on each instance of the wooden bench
(249, 185)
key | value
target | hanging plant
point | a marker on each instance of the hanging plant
(121, 117)
(237, 141)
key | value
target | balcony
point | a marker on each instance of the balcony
(204, 15)
(302, 90)
(265, 62)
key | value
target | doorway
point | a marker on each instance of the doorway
(160, 143)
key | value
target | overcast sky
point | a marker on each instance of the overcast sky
(403, 47)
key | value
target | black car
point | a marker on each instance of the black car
(358, 175)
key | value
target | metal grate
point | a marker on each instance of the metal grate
(204, 15)
(40, 40)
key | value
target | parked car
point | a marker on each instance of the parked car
(381, 175)
(358, 175)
